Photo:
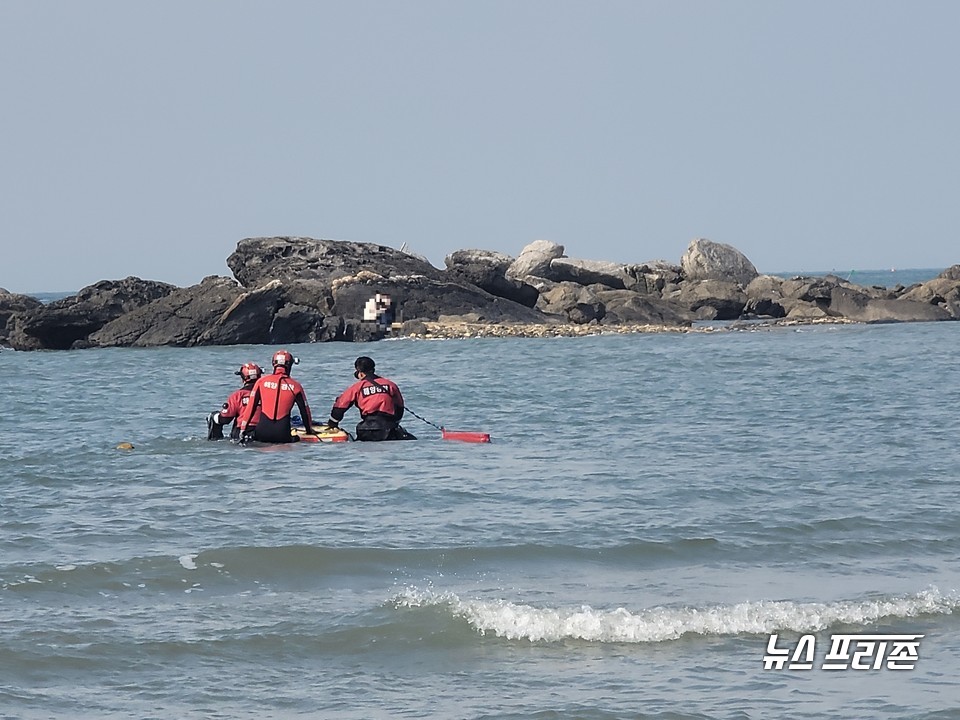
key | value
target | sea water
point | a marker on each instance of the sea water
(874, 278)
(651, 509)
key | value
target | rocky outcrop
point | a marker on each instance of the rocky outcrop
(943, 291)
(277, 313)
(534, 260)
(13, 304)
(67, 323)
(294, 289)
(256, 261)
(862, 307)
(625, 307)
(765, 297)
(799, 297)
(657, 277)
(572, 303)
(220, 312)
(488, 271)
(588, 272)
(951, 273)
(712, 299)
(178, 318)
(423, 298)
(708, 260)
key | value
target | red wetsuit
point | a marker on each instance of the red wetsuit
(275, 395)
(381, 409)
(233, 408)
(382, 396)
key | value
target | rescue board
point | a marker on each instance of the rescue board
(323, 433)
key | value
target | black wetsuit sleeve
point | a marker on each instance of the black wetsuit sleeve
(250, 411)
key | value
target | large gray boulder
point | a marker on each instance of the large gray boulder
(806, 311)
(295, 311)
(68, 322)
(628, 307)
(534, 260)
(248, 319)
(572, 302)
(707, 260)
(589, 272)
(712, 299)
(256, 261)
(861, 307)
(488, 271)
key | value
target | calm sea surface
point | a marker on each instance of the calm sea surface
(882, 278)
(652, 508)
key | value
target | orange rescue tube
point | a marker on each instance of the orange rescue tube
(465, 436)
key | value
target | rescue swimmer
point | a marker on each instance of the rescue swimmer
(379, 401)
(273, 397)
(235, 405)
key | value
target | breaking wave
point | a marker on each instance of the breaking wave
(524, 622)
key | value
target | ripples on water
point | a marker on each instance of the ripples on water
(651, 509)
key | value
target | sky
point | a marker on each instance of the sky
(148, 138)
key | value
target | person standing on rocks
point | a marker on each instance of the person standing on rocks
(379, 401)
(235, 405)
(274, 396)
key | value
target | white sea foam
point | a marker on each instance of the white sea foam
(516, 622)
(189, 561)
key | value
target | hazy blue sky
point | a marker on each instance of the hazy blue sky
(147, 138)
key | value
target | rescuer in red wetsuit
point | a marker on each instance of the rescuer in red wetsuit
(235, 404)
(275, 395)
(379, 402)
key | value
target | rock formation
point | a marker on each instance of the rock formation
(178, 318)
(12, 304)
(488, 271)
(534, 259)
(259, 260)
(68, 323)
(293, 289)
(707, 260)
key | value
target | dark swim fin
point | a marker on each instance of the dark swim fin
(214, 429)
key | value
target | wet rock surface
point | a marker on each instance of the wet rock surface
(297, 289)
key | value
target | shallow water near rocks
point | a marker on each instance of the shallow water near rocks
(651, 509)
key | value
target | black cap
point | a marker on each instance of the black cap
(364, 364)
